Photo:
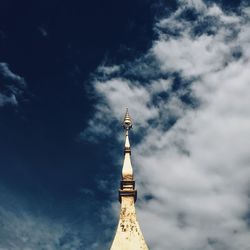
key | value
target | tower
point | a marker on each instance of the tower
(128, 234)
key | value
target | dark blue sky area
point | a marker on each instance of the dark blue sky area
(55, 45)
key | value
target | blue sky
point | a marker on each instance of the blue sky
(68, 70)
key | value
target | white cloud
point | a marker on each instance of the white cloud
(199, 5)
(115, 96)
(12, 85)
(120, 93)
(7, 73)
(197, 170)
(4, 99)
(108, 70)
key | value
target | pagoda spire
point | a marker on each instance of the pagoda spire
(128, 234)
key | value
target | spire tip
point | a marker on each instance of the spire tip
(127, 121)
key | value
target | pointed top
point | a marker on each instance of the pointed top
(127, 121)
(127, 170)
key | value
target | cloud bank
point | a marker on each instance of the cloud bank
(190, 95)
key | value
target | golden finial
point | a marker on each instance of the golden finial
(127, 170)
(127, 121)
